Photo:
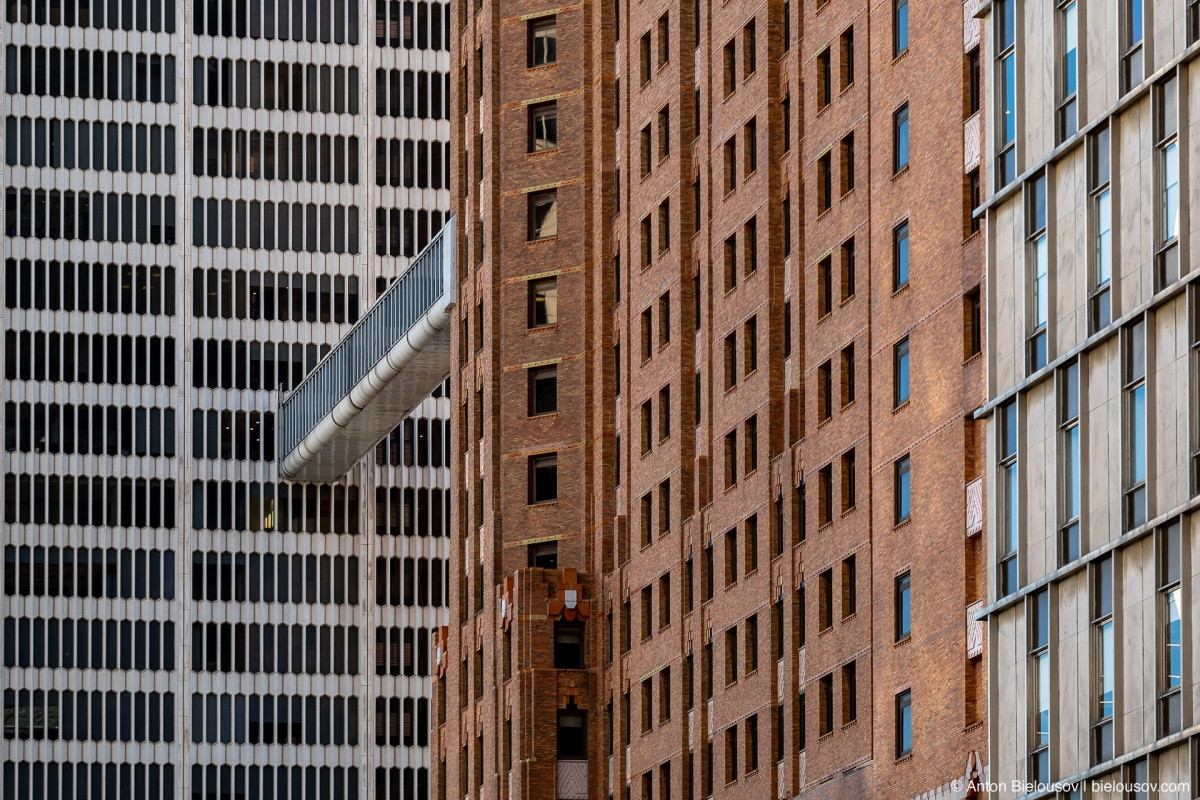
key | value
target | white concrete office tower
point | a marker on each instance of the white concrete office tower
(1093, 219)
(199, 198)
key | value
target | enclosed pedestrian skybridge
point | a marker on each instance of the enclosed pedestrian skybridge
(394, 356)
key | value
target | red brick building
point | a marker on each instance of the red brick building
(716, 363)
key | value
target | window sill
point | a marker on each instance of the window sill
(903, 641)
(532, 328)
(902, 171)
(904, 757)
(538, 67)
(902, 523)
(850, 617)
(905, 404)
(542, 240)
(542, 503)
(546, 151)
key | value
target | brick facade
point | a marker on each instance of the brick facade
(650, 482)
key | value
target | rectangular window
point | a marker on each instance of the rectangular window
(1133, 52)
(1038, 614)
(543, 302)
(1070, 469)
(749, 50)
(972, 323)
(1104, 657)
(902, 488)
(849, 692)
(1037, 260)
(543, 478)
(974, 85)
(730, 361)
(846, 167)
(1195, 393)
(664, 39)
(849, 587)
(824, 79)
(900, 263)
(543, 390)
(825, 181)
(1166, 126)
(849, 480)
(973, 197)
(543, 126)
(900, 138)
(825, 391)
(847, 268)
(729, 67)
(1100, 186)
(543, 215)
(1004, 14)
(899, 27)
(846, 51)
(848, 377)
(1068, 75)
(903, 606)
(731, 659)
(900, 373)
(824, 286)
(825, 601)
(729, 150)
(750, 246)
(1134, 379)
(751, 444)
(1170, 626)
(825, 494)
(904, 723)
(751, 542)
(543, 41)
(1010, 524)
(731, 465)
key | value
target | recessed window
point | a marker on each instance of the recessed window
(543, 390)
(1133, 52)
(904, 728)
(728, 67)
(749, 50)
(543, 41)
(543, 478)
(972, 79)
(900, 256)
(750, 146)
(543, 215)
(903, 606)
(847, 384)
(1004, 14)
(846, 50)
(664, 39)
(899, 27)
(824, 80)
(846, 167)
(1068, 75)
(900, 373)
(900, 138)
(572, 734)
(824, 182)
(543, 126)
(543, 302)
(543, 555)
(568, 645)
(902, 481)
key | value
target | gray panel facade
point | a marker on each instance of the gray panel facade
(199, 200)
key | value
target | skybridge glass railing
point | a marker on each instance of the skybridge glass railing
(394, 356)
